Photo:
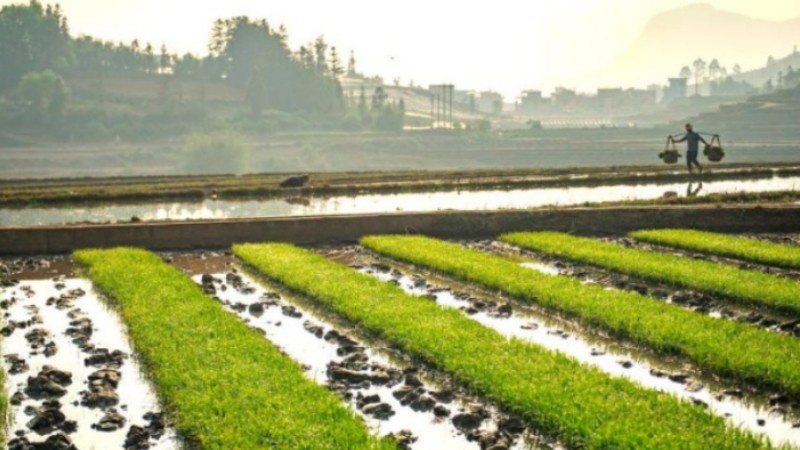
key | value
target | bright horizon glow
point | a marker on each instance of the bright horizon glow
(502, 45)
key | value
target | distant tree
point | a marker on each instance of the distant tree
(792, 77)
(351, 65)
(483, 126)
(321, 49)
(293, 82)
(770, 61)
(336, 64)
(769, 86)
(165, 60)
(401, 114)
(729, 87)
(378, 98)
(699, 71)
(150, 58)
(32, 39)
(46, 93)
(714, 69)
(686, 72)
(283, 36)
(220, 152)
(187, 67)
(218, 38)
(256, 93)
(306, 57)
(737, 69)
(362, 103)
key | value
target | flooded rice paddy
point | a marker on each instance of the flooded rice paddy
(481, 200)
(394, 397)
(757, 413)
(70, 373)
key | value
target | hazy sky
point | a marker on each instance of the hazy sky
(477, 44)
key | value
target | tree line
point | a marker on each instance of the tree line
(723, 82)
(38, 53)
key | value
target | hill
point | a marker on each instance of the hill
(758, 77)
(677, 37)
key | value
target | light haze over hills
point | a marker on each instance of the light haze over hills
(679, 36)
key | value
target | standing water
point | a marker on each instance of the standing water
(482, 200)
(615, 359)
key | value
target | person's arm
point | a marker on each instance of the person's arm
(681, 139)
(702, 140)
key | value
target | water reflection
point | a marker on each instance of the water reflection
(691, 191)
(383, 203)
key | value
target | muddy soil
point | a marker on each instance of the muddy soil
(70, 376)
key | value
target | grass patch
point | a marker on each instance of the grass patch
(747, 287)
(226, 386)
(578, 403)
(748, 249)
(727, 348)
(3, 406)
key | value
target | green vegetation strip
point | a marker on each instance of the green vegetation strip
(578, 403)
(748, 287)
(227, 386)
(724, 347)
(748, 249)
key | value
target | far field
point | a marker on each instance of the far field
(339, 152)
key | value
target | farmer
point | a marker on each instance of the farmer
(692, 143)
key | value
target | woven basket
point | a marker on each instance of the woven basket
(713, 150)
(714, 154)
(669, 156)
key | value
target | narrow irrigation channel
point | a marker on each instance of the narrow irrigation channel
(695, 300)
(771, 416)
(419, 408)
(70, 374)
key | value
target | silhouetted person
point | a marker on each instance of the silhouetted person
(692, 146)
(691, 192)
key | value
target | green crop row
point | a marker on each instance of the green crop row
(748, 249)
(582, 406)
(226, 386)
(3, 406)
(727, 348)
(748, 287)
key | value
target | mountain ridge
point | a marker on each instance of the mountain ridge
(676, 37)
